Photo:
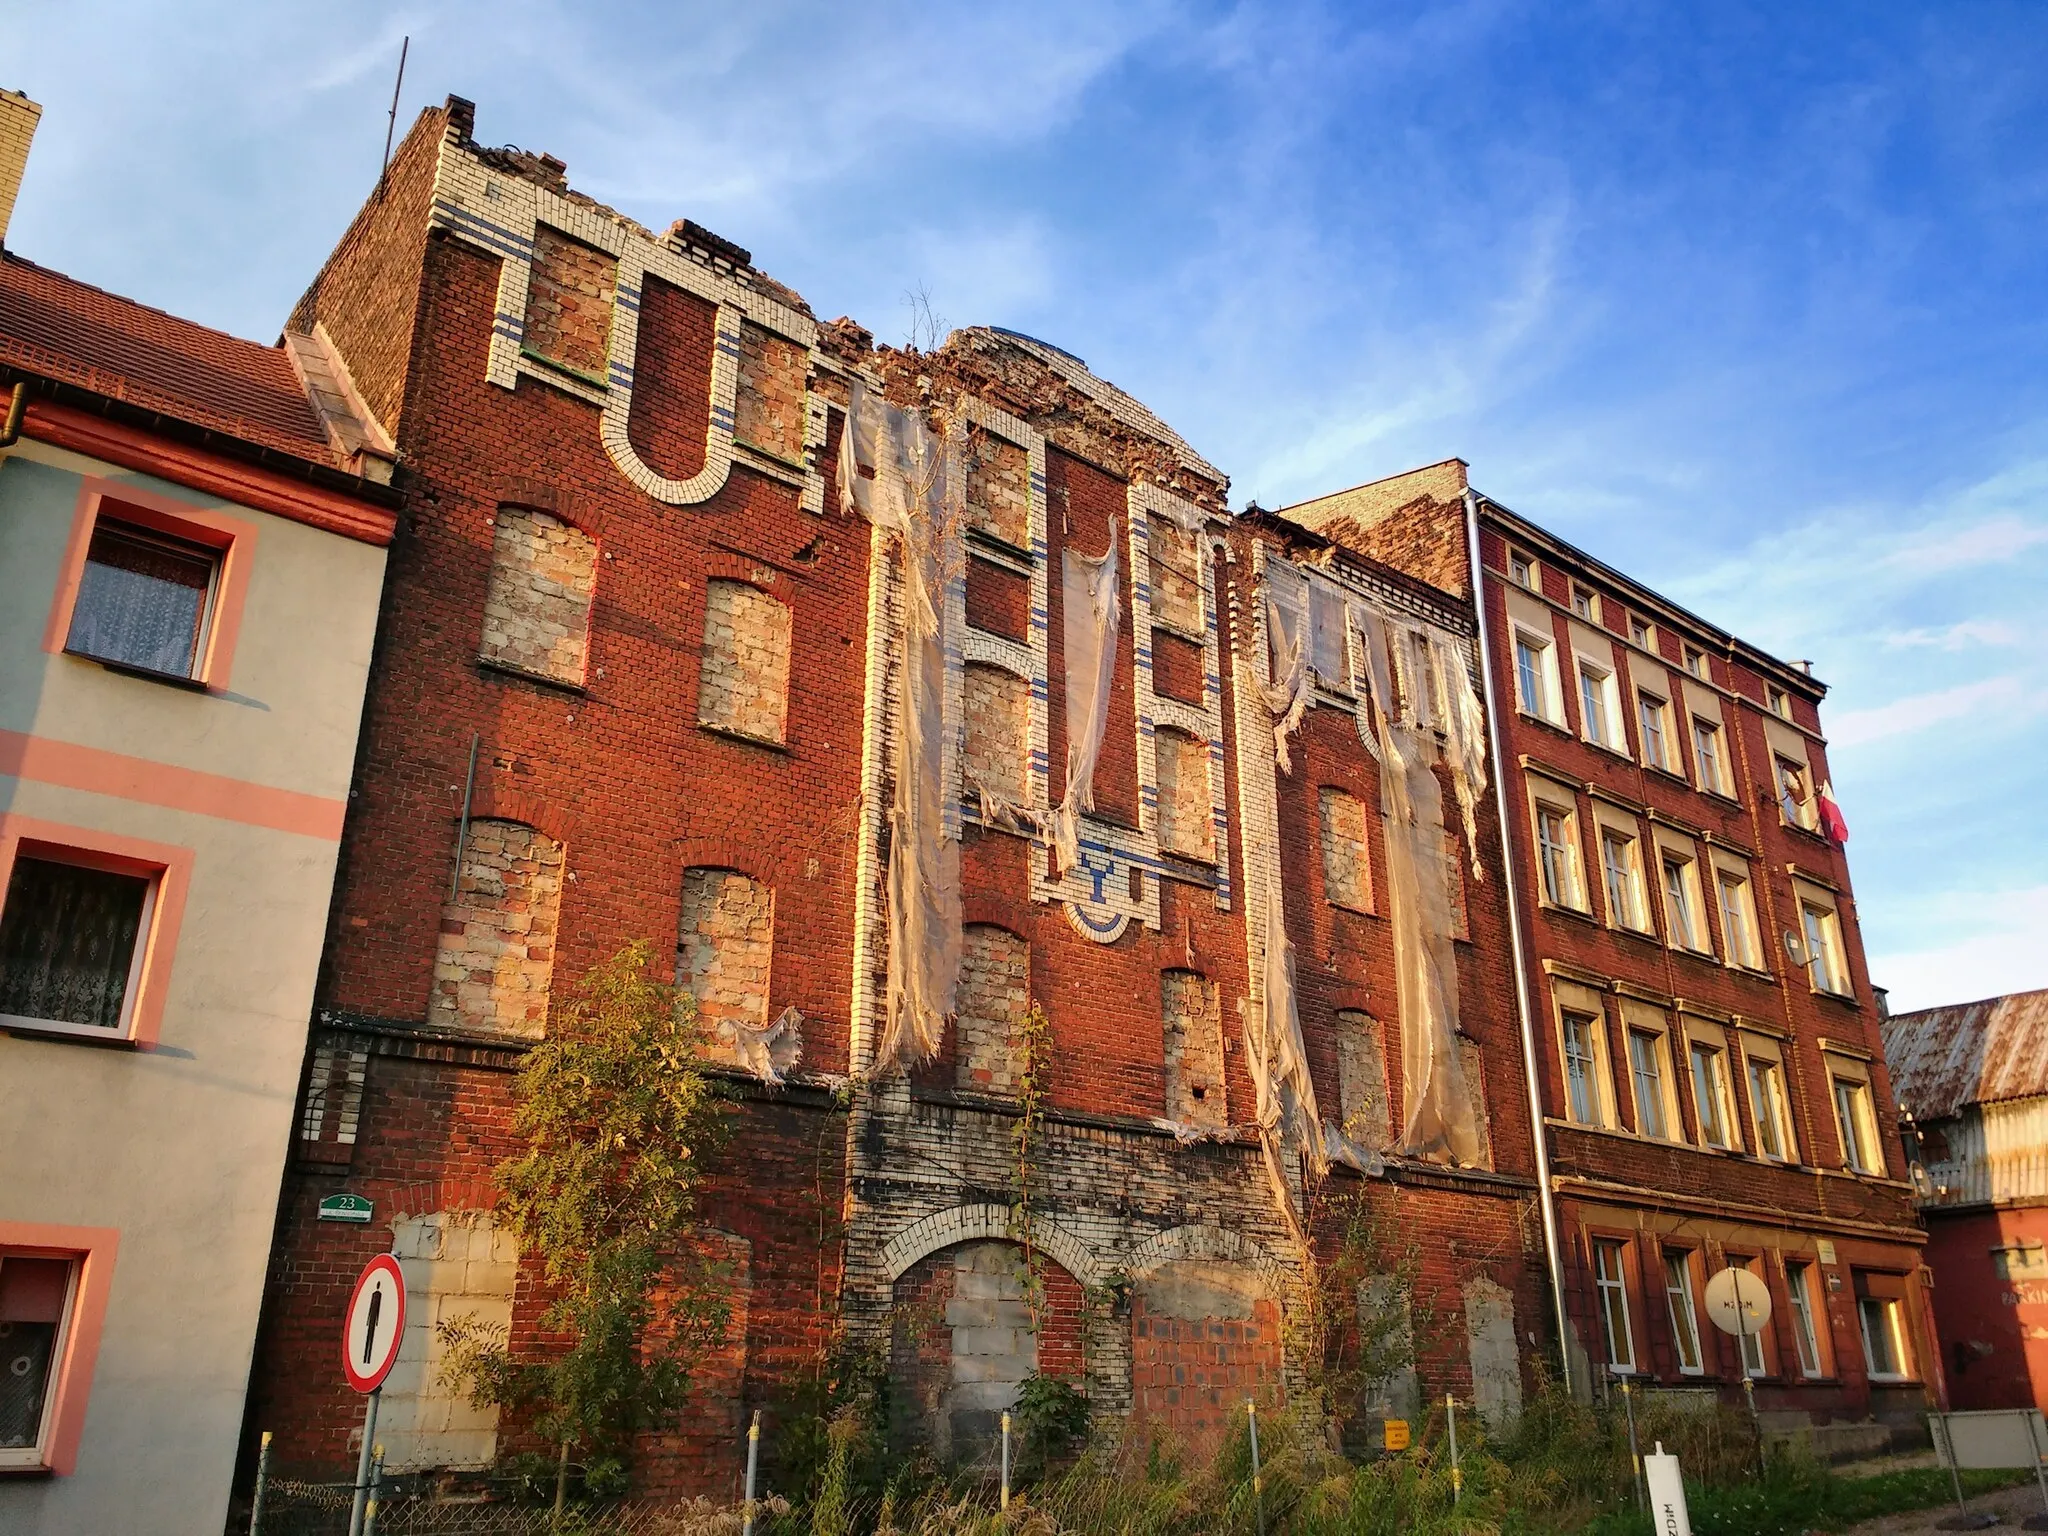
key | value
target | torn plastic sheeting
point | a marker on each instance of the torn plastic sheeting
(1291, 689)
(770, 1051)
(1090, 609)
(1464, 727)
(1339, 1148)
(1286, 1099)
(915, 493)
(1441, 1122)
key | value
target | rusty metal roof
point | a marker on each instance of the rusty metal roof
(1944, 1059)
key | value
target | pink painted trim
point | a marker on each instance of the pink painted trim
(179, 789)
(234, 537)
(95, 1247)
(171, 866)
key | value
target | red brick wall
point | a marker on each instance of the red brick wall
(998, 601)
(1976, 1307)
(670, 416)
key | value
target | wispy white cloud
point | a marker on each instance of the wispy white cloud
(1957, 637)
(2001, 699)
(1999, 945)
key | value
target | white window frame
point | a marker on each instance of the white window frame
(1740, 936)
(1522, 571)
(1795, 809)
(1612, 1289)
(1778, 700)
(1653, 724)
(1656, 1042)
(1684, 1311)
(1894, 1324)
(1805, 1337)
(1856, 1122)
(1560, 866)
(37, 1456)
(1627, 910)
(1685, 915)
(1710, 756)
(1543, 652)
(1769, 1108)
(1594, 1110)
(1712, 1093)
(1600, 704)
(1585, 602)
(1820, 925)
(1696, 662)
(1749, 1347)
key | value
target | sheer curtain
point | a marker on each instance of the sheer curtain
(67, 939)
(140, 602)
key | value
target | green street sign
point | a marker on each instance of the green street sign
(344, 1208)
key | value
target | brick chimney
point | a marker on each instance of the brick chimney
(18, 118)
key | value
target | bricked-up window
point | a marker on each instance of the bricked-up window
(998, 488)
(1472, 1064)
(745, 687)
(1191, 1011)
(1176, 576)
(458, 1265)
(537, 608)
(334, 1095)
(569, 304)
(1347, 866)
(496, 957)
(996, 742)
(1185, 824)
(1454, 872)
(1362, 1079)
(724, 948)
(993, 994)
(769, 410)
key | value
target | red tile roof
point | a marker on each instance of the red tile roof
(66, 330)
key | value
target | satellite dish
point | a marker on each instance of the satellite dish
(1795, 946)
(1738, 1302)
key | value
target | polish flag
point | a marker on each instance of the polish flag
(1831, 813)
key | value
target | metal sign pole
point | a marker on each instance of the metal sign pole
(262, 1477)
(376, 1493)
(1635, 1452)
(356, 1511)
(1451, 1421)
(1006, 1459)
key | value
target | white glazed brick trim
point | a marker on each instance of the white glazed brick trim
(984, 1223)
(1208, 1244)
(1257, 780)
(498, 212)
(870, 919)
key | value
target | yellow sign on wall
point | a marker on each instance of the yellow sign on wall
(1397, 1434)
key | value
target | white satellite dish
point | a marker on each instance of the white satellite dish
(1795, 946)
(1738, 1302)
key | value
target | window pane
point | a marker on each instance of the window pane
(67, 940)
(1645, 1059)
(1580, 1068)
(141, 600)
(1652, 713)
(1679, 903)
(32, 1293)
(1879, 1352)
(1707, 748)
(1678, 1292)
(1796, 1283)
(1706, 1093)
(1764, 1096)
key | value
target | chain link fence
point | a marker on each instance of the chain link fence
(322, 1509)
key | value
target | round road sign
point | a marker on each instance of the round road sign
(375, 1325)
(1738, 1302)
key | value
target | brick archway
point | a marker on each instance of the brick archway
(983, 1222)
(1210, 1244)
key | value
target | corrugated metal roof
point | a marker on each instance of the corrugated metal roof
(1944, 1059)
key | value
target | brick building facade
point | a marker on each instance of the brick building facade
(642, 673)
(1704, 1037)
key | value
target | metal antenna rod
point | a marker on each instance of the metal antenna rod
(391, 127)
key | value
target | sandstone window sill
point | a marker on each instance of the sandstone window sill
(741, 738)
(1344, 906)
(521, 674)
(1577, 914)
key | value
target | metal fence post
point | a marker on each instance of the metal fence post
(262, 1477)
(1457, 1472)
(1006, 1459)
(1635, 1454)
(1251, 1418)
(753, 1465)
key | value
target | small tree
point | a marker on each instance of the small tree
(617, 1120)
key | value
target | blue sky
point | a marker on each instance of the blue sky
(1748, 299)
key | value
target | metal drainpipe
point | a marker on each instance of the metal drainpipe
(10, 434)
(1512, 889)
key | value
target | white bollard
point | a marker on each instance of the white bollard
(1668, 1515)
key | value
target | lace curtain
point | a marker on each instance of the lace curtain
(67, 940)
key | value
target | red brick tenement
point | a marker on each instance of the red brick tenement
(1705, 1035)
(643, 675)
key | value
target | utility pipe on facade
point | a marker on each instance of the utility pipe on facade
(1512, 891)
